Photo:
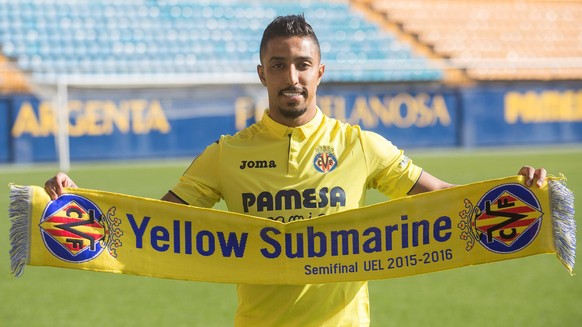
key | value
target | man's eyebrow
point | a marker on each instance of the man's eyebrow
(276, 59)
(302, 58)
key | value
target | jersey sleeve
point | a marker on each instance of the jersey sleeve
(200, 184)
(390, 170)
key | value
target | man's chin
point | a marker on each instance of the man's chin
(292, 112)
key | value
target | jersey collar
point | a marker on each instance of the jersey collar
(283, 130)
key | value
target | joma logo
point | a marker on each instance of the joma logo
(257, 164)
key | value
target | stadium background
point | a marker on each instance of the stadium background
(161, 79)
(164, 78)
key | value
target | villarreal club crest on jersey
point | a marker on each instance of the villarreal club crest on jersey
(324, 160)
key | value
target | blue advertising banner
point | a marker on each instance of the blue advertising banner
(32, 129)
(497, 115)
(174, 122)
(408, 116)
(124, 124)
(154, 123)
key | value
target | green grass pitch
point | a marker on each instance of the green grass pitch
(534, 291)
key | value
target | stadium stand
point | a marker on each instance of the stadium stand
(12, 80)
(425, 73)
(49, 40)
(494, 39)
(384, 41)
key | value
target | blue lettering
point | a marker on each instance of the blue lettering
(160, 234)
(442, 224)
(337, 196)
(248, 200)
(138, 231)
(389, 230)
(309, 200)
(188, 237)
(233, 244)
(265, 200)
(323, 197)
(376, 240)
(404, 232)
(161, 238)
(176, 236)
(415, 227)
(311, 236)
(292, 200)
(345, 234)
(289, 245)
(200, 243)
(276, 252)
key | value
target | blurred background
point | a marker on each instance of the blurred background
(123, 94)
(101, 80)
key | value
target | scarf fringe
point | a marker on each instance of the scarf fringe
(564, 224)
(19, 211)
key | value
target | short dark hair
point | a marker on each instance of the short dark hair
(288, 26)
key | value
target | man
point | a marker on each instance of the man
(295, 149)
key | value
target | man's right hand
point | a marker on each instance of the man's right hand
(54, 186)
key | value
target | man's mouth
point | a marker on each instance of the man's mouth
(292, 93)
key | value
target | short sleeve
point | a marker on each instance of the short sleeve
(390, 170)
(200, 184)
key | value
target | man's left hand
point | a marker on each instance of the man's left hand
(533, 174)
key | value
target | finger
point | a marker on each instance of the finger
(49, 188)
(66, 181)
(58, 186)
(61, 180)
(540, 174)
(54, 186)
(528, 173)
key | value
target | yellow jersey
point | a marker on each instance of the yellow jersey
(284, 173)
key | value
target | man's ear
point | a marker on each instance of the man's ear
(320, 73)
(261, 73)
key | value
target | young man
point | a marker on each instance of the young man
(296, 163)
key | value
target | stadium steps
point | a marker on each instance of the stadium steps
(452, 75)
(12, 80)
(496, 39)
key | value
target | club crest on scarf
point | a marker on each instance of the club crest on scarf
(505, 220)
(75, 230)
(324, 160)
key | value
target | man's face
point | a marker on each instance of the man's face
(291, 70)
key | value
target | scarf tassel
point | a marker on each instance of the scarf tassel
(564, 224)
(19, 211)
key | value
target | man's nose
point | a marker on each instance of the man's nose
(293, 75)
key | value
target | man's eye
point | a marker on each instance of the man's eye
(277, 66)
